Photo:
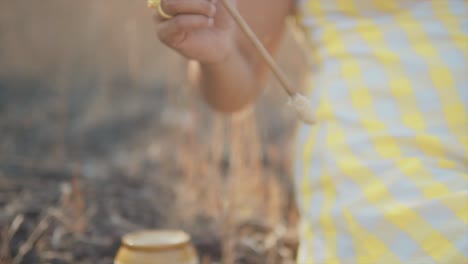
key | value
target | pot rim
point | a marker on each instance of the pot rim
(153, 240)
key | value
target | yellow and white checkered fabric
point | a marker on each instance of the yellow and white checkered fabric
(383, 176)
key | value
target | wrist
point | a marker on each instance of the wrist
(227, 51)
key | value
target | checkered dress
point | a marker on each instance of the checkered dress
(383, 176)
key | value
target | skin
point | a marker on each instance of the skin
(230, 72)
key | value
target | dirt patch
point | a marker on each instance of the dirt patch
(100, 135)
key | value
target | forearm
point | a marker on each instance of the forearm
(232, 84)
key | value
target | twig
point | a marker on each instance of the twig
(58, 215)
(32, 239)
(8, 236)
(119, 221)
(65, 221)
(51, 255)
(100, 242)
(15, 225)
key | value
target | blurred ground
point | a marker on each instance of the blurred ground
(100, 135)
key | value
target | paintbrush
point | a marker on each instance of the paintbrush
(298, 102)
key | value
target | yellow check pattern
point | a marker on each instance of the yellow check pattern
(383, 176)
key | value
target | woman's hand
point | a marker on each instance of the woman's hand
(201, 30)
(231, 73)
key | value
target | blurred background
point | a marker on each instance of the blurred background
(101, 135)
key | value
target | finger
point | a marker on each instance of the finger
(194, 7)
(173, 31)
(157, 18)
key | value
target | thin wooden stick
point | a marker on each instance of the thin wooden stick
(32, 239)
(280, 75)
(298, 102)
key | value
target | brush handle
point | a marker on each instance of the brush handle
(266, 56)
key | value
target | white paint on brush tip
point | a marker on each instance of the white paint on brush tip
(302, 108)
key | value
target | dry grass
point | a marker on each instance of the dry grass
(234, 171)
